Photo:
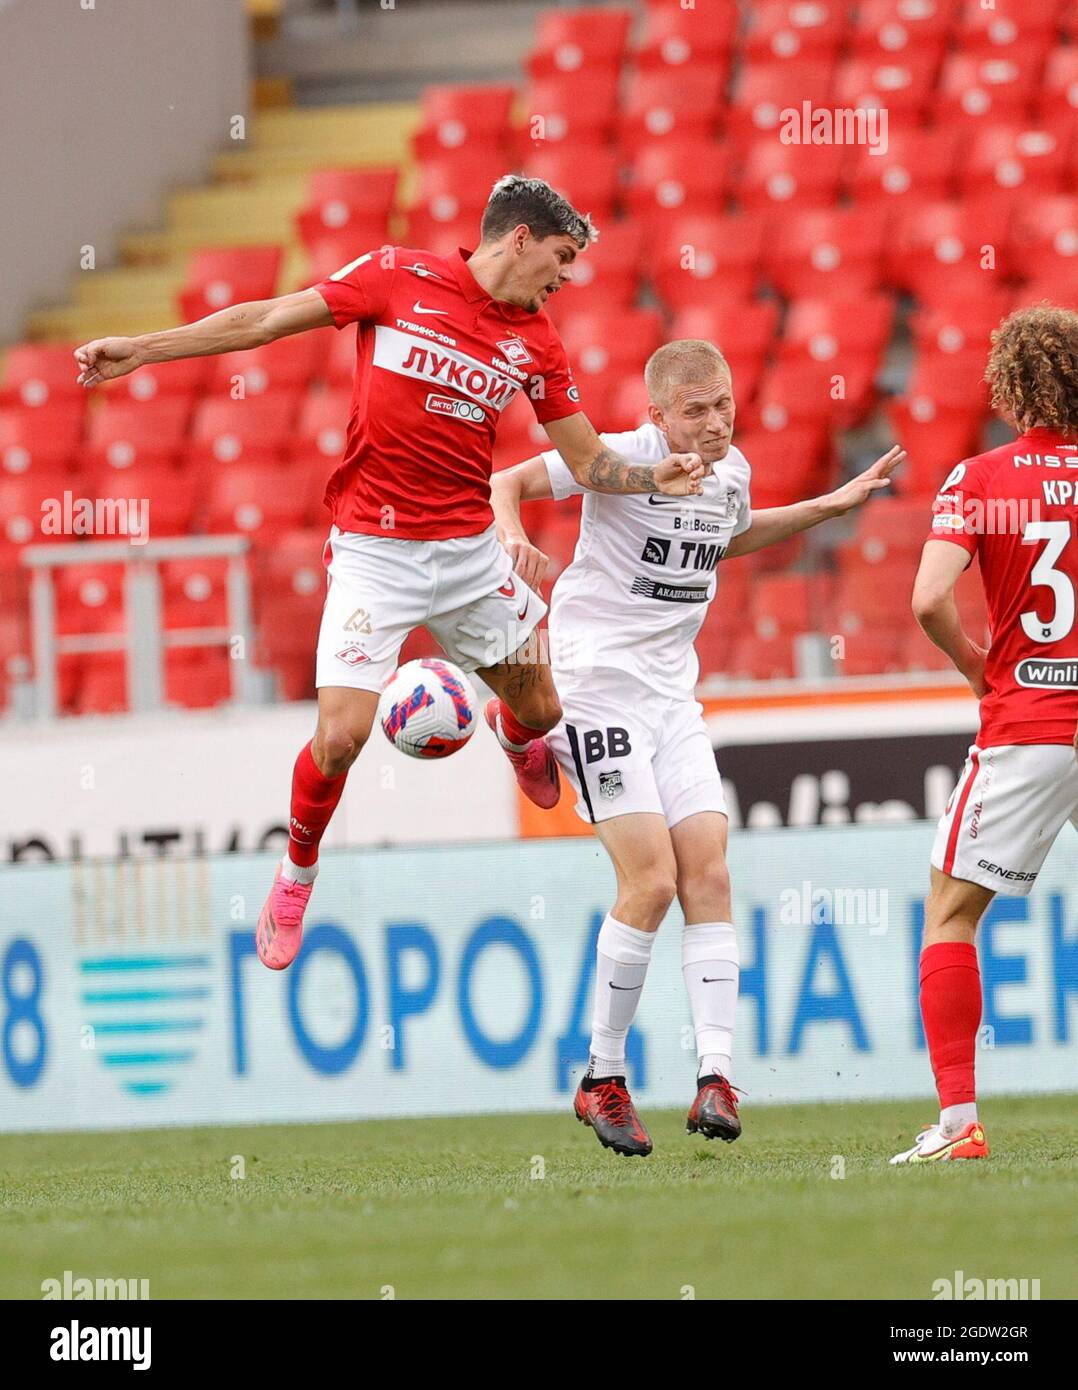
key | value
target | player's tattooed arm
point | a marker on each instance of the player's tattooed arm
(601, 469)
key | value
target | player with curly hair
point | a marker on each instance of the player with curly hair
(1016, 509)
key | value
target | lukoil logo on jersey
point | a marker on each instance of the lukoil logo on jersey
(145, 967)
(399, 352)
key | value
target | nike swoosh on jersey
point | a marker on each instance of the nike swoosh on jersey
(657, 500)
(418, 308)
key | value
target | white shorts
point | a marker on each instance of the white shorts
(626, 748)
(1005, 813)
(380, 588)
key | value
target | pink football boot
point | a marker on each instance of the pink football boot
(280, 923)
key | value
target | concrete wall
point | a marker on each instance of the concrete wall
(104, 104)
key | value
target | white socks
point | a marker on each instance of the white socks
(623, 954)
(954, 1118)
(710, 968)
(298, 873)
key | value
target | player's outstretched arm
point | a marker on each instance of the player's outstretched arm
(229, 330)
(776, 524)
(934, 607)
(601, 469)
(526, 482)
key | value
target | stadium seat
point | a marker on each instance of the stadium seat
(889, 533)
(675, 179)
(902, 84)
(964, 321)
(169, 494)
(96, 683)
(89, 598)
(827, 254)
(889, 28)
(225, 428)
(287, 363)
(39, 374)
(678, 37)
(588, 175)
(869, 600)
(871, 653)
(197, 678)
(776, 175)
(228, 275)
(762, 659)
(1058, 94)
(622, 338)
(356, 202)
(22, 515)
(992, 30)
(787, 466)
(985, 90)
(255, 500)
(824, 330)
(939, 418)
(569, 111)
(812, 393)
(186, 377)
(762, 91)
(607, 274)
(785, 29)
(124, 432)
(785, 604)
(939, 248)
(917, 653)
(629, 405)
(578, 41)
(1029, 156)
(701, 259)
(454, 188)
(671, 104)
(917, 164)
(741, 328)
(294, 563)
(455, 116)
(194, 592)
(1045, 238)
(40, 438)
(323, 421)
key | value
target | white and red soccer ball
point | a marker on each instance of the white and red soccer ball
(428, 708)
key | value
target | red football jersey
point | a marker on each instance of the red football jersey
(437, 361)
(1016, 509)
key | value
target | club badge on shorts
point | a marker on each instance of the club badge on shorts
(610, 784)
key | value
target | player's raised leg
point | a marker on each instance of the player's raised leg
(345, 718)
(525, 708)
(951, 1013)
(643, 858)
(710, 967)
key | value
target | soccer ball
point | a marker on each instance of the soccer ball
(428, 709)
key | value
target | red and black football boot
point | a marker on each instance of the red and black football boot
(606, 1105)
(714, 1111)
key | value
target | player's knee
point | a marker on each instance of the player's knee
(653, 893)
(336, 748)
(541, 712)
(709, 882)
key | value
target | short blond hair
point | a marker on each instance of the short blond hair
(684, 361)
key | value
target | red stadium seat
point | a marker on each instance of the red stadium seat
(763, 90)
(228, 275)
(225, 427)
(812, 393)
(938, 420)
(784, 29)
(27, 502)
(169, 495)
(675, 180)
(293, 564)
(871, 653)
(570, 110)
(185, 377)
(828, 254)
(287, 363)
(607, 274)
(916, 164)
(1045, 241)
(741, 328)
(777, 175)
(340, 364)
(900, 83)
(679, 38)
(89, 598)
(629, 406)
(994, 29)
(356, 202)
(123, 432)
(870, 600)
(824, 330)
(37, 374)
(453, 117)
(585, 40)
(917, 653)
(454, 188)
(762, 659)
(40, 439)
(985, 90)
(1033, 157)
(100, 683)
(785, 604)
(197, 678)
(588, 175)
(698, 259)
(890, 533)
(1059, 89)
(625, 338)
(966, 321)
(195, 592)
(939, 250)
(897, 27)
(255, 501)
(672, 104)
(787, 466)
(323, 421)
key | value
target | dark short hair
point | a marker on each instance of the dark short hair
(515, 199)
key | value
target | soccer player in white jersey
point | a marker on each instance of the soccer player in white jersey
(632, 740)
(443, 344)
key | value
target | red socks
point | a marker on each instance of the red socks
(515, 733)
(314, 799)
(951, 1011)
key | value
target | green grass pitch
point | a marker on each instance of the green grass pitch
(529, 1206)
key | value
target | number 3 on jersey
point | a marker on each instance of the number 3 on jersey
(1057, 534)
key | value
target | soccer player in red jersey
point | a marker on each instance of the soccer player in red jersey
(1015, 509)
(444, 343)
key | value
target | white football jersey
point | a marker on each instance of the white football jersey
(643, 573)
